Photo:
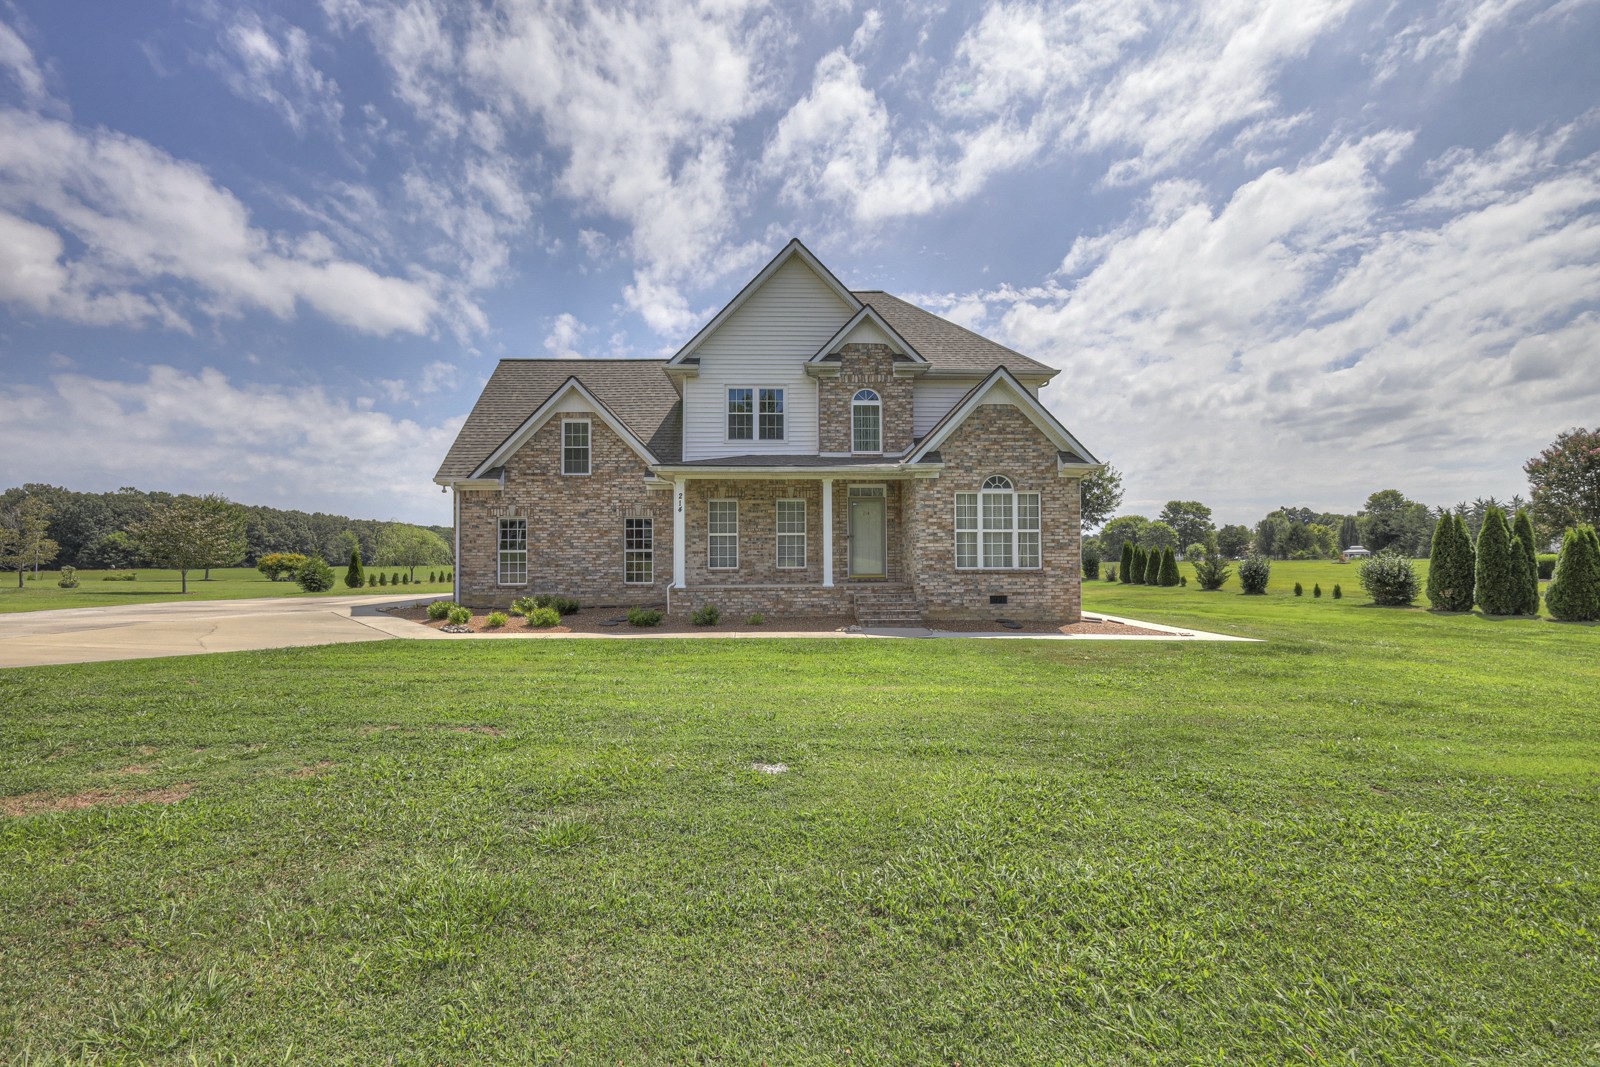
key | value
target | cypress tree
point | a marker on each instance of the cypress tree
(1316, 591)
(1521, 575)
(1523, 528)
(1152, 567)
(1496, 591)
(1125, 569)
(1574, 593)
(1450, 566)
(1298, 591)
(1169, 568)
(383, 579)
(1136, 575)
(1337, 592)
(353, 578)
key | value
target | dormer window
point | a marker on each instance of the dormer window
(755, 414)
(866, 422)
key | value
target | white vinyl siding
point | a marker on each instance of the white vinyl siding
(791, 534)
(513, 552)
(930, 401)
(722, 534)
(764, 344)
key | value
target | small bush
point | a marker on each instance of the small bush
(756, 619)
(432, 578)
(383, 579)
(644, 617)
(280, 566)
(1253, 575)
(1574, 593)
(69, 578)
(405, 579)
(1212, 571)
(394, 579)
(1547, 565)
(1338, 594)
(544, 618)
(1091, 565)
(125, 576)
(564, 605)
(372, 580)
(440, 609)
(1111, 574)
(705, 615)
(1389, 579)
(1316, 591)
(1298, 591)
(1183, 580)
(458, 615)
(314, 576)
(496, 620)
(525, 605)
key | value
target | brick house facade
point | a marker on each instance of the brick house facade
(812, 450)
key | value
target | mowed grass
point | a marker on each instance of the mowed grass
(1371, 840)
(155, 585)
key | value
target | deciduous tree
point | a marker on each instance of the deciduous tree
(191, 533)
(411, 547)
(1099, 496)
(24, 536)
(1190, 518)
(1565, 480)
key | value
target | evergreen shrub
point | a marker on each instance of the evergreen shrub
(314, 576)
(1254, 573)
(644, 617)
(1389, 579)
(705, 615)
(439, 609)
(496, 620)
(1574, 591)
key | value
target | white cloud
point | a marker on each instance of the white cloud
(1305, 333)
(275, 69)
(146, 220)
(564, 336)
(1444, 39)
(16, 58)
(203, 432)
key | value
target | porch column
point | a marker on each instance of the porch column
(678, 525)
(827, 533)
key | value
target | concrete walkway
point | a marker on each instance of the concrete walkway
(178, 628)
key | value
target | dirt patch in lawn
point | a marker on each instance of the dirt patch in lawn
(313, 770)
(492, 731)
(615, 621)
(44, 803)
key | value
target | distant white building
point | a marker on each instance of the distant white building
(1356, 552)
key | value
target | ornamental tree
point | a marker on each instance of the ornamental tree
(1565, 480)
(1099, 496)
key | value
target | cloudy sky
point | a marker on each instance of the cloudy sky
(1284, 251)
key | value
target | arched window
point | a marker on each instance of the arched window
(997, 527)
(866, 422)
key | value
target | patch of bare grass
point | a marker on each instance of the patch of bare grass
(45, 803)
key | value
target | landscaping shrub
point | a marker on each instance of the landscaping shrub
(126, 576)
(1495, 587)
(1338, 594)
(1110, 573)
(1297, 590)
(544, 618)
(1152, 567)
(440, 609)
(496, 620)
(1547, 565)
(1528, 570)
(1091, 564)
(458, 615)
(372, 580)
(1194, 552)
(1316, 591)
(278, 566)
(1451, 566)
(432, 578)
(1574, 591)
(1389, 579)
(1183, 580)
(1253, 575)
(69, 578)
(1524, 573)
(564, 605)
(1126, 563)
(525, 605)
(383, 579)
(1212, 571)
(755, 620)
(705, 615)
(1168, 575)
(644, 617)
(314, 576)
(353, 578)
(405, 579)
(394, 579)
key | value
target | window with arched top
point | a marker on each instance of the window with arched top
(997, 528)
(866, 422)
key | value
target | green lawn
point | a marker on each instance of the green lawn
(1371, 840)
(154, 585)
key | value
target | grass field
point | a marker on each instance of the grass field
(1372, 839)
(155, 585)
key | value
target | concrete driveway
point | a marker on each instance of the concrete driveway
(88, 635)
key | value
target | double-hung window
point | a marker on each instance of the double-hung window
(866, 422)
(575, 446)
(741, 414)
(638, 551)
(722, 535)
(769, 417)
(791, 534)
(997, 527)
(513, 551)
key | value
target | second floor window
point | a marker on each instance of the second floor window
(755, 414)
(741, 414)
(574, 447)
(770, 422)
(866, 422)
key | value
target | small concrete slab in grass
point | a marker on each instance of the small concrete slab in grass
(770, 768)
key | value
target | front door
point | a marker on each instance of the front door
(868, 540)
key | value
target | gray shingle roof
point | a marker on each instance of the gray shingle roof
(636, 390)
(769, 459)
(944, 344)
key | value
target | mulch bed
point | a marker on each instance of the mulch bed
(615, 621)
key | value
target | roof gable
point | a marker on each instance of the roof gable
(794, 249)
(950, 349)
(870, 316)
(1018, 394)
(551, 408)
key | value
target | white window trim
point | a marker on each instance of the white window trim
(588, 449)
(779, 535)
(499, 551)
(755, 437)
(878, 403)
(1016, 529)
(650, 552)
(735, 535)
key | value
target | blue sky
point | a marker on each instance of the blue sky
(1283, 252)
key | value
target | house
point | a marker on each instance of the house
(812, 450)
(1356, 552)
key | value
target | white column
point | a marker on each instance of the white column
(827, 533)
(678, 507)
(455, 560)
